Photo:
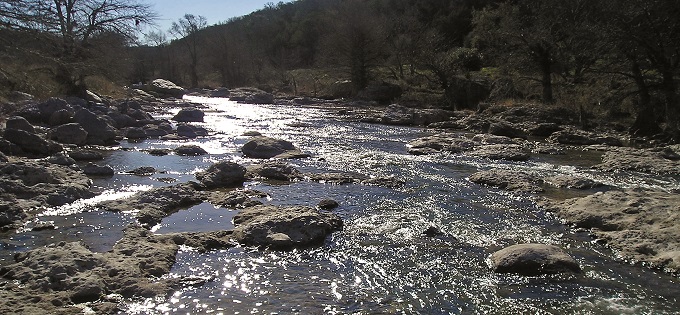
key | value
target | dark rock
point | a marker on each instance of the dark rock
(533, 259)
(60, 159)
(237, 199)
(337, 178)
(10, 148)
(71, 133)
(432, 231)
(383, 92)
(135, 133)
(384, 181)
(440, 143)
(507, 130)
(275, 170)
(189, 115)
(251, 134)
(61, 117)
(251, 96)
(97, 170)
(32, 143)
(3, 158)
(143, 171)
(223, 174)
(86, 155)
(493, 139)
(99, 131)
(19, 123)
(154, 131)
(221, 92)
(399, 115)
(189, 131)
(543, 129)
(284, 227)
(265, 148)
(328, 204)
(573, 182)
(52, 105)
(122, 120)
(190, 150)
(159, 152)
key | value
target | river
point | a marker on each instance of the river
(381, 262)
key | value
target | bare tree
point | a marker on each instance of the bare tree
(187, 29)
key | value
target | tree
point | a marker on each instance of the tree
(188, 30)
(79, 27)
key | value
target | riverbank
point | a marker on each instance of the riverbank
(484, 139)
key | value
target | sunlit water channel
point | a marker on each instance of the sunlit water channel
(380, 263)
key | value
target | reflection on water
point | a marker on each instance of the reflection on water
(382, 263)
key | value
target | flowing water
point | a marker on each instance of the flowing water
(380, 263)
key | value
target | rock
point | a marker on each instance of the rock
(383, 92)
(71, 133)
(339, 89)
(135, 133)
(573, 182)
(337, 178)
(507, 130)
(3, 158)
(251, 96)
(99, 131)
(432, 231)
(237, 199)
(265, 148)
(399, 115)
(18, 97)
(154, 131)
(284, 227)
(189, 131)
(97, 170)
(60, 117)
(580, 137)
(155, 204)
(159, 152)
(223, 174)
(86, 155)
(508, 152)
(641, 225)
(493, 139)
(189, 115)
(656, 161)
(19, 123)
(508, 180)
(275, 170)
(122, 120)
(251, 134)
(10, 148)
(190, 150)
(533, 259)
(440, 143)
(143, 171)
(32, 143)
(543, 129)
(52, 105)
(327, 204)
(221, 92)
(60, 159)
(164, 88)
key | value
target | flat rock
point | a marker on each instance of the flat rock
(440, 143)
(642, 225)
(508, 152)
(662, 161)
(284, 227)
(275, 170)
(508, 180)
(236, 199)
(19, 123)
(98, 170)
(86, 155)
(573, 182)
(581, 137)
(533, 259)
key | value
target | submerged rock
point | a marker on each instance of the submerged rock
(328, 204)
(573, 182)
(86, 155)
(533, 259)
(236, 199)
(98, 170)
(643, 225)
(284, 227)
(440, 143)
(508, 152)
(508, 180)
(261, 147)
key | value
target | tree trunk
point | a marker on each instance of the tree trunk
(546, 80)
(645, 123)
(672, 110)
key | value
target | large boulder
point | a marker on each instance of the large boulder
(266, 147)
(19, 123)
(190, 131)
(135, 133)
(98, 170)
(49, 107)
(223, 174)
(69, 133)
(32, 143)
(99, 130)
(165, 88)
(190, 150)
(251, 96)
(662, 161)
(189, 115)
(533, 259)
(284, 227)
(400, 115)
(506, 129)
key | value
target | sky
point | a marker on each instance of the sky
(215, 11)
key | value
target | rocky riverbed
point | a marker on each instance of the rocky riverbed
(276, 171)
